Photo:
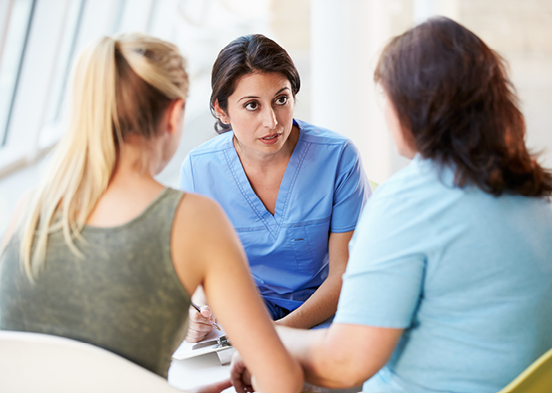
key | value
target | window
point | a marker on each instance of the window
(17, 23)
(69, 37)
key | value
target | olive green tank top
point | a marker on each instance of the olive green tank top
(124, 295)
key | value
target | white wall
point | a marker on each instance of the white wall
(334, 44)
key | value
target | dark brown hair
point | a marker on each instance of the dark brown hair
(246, 55)
(456, 104)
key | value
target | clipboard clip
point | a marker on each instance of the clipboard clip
(220, 342)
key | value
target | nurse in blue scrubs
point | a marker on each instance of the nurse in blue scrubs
(292, 190)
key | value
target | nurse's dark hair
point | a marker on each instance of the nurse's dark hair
(246, 55)
(457, 107)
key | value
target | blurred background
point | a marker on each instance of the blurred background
(334, 44)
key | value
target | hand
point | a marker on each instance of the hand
(239, 375)
(216, 387)
(200, 324)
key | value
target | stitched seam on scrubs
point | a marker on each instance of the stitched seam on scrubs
(245, 194)
(306, 223)
(292, 183)
(350, 168)
(343, 229)
(249, 229)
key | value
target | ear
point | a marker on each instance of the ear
(175, 115)
(220, 113)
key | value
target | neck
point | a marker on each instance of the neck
(138, 160)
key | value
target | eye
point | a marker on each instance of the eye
(282, 100)
(251, 105)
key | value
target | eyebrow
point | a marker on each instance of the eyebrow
(278, 92)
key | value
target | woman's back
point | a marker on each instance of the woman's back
(103, 254)
(467, 273)
(123, 295)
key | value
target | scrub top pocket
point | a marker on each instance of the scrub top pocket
(299, 240)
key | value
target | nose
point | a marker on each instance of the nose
(269, 118)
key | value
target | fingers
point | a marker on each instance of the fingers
(201, 323)
(205, 316)
(236, 371)
(240, 377)
(206, 312)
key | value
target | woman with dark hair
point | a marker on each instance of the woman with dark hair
(293, 191)
(449, 280)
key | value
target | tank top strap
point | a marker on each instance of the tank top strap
(161, 211)
(160, 216)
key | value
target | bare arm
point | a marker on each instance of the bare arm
(206, 251)
(342, 356)
(323, 303)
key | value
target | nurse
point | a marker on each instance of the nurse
(292, 190)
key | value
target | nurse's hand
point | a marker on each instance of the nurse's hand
(200, 324)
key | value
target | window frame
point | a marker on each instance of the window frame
(24, 145)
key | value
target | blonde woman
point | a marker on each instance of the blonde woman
(105, 254)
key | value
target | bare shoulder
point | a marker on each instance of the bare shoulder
(197, 213)
(205, 231)
(194, 205)
(201, 238)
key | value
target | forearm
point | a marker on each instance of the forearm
(320, 363)
(342, 356)
(320, 306)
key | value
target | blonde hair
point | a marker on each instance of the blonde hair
(121, 86)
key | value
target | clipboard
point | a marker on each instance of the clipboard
(215, 341)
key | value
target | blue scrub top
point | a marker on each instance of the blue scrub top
(323, 190)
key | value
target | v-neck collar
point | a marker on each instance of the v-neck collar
(271, 222)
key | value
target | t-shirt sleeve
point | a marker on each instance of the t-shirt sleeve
(382, 285)
(186, 182)
(351, 192)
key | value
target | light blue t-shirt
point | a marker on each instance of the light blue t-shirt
(323, 190)
(468, 275)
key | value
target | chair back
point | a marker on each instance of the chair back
(33, 362)
(373, 185)
(537, 378)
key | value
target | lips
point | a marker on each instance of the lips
(270, 139)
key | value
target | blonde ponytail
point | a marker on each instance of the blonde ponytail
(121, 85)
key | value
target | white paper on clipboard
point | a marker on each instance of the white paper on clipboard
(185, 351)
